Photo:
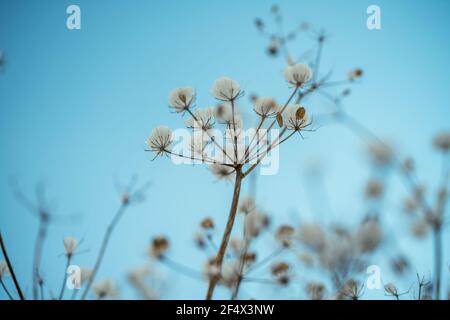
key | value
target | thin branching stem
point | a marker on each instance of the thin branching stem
(103, 247)
(38, 248)
(226, 235)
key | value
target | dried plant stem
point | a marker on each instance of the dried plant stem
(103, 247)
(6, 289)
(240, 271)
(226, 235)
(39, 245)
(437, 244)
(61, 292)
(10, 268)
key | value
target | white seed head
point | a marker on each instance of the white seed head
(226, 89)
(181, 99)
(294, 118)
(297, 74)
(204, 119)
(70, 245)
(160, 140)
(266, 107)
(4, 270)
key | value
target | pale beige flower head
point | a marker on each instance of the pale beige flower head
(158, 247)
(391, 289)
(181, 99)
(294, 117)
(203, 119)
(104, 288)
(266, 107)
(226, 89)
(442, 141)
(380, 153)
(297, 74)
(160, 140)
(70, 245)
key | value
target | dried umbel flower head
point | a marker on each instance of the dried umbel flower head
(285, 235)
(207, 224)
(181, 99)
(70, 245)
(351, 290)
(380, 153)
(279, 268)
(4, 270)
(410, 205)
(247, 205)
(211, 269)
(255, 222)
(374, 189)
(315, 290)
(391, 289)
(159, 247)
(138, 275)
(354, 74)
(312, 235)
(160, 140)
(226, 89)
(104, 288)
(297, 74)
(248, 258)
(202, 119)
(281, 272)
(442, 141)
(368, 235)
(222, 172)
(266, 107)
(294, 118)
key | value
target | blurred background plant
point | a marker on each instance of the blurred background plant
(400, 224)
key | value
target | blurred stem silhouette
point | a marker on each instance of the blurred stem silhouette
(104, 246)
(437, 244)
(226, 235)
(10, 268)
(38, 248)
(6, 290)
(63, 287)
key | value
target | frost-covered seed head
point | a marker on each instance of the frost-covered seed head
(247, 205)
(104, 288)
(266, 107)
(181, 99)
(226, 89)
(294, 118)
(297, 74)
(70, 245)
(222, 171)
(160, 140)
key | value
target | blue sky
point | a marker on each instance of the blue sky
(76, 107)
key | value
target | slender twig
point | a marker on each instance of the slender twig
(10, 268)
(437, 244)
(104, 246)
(226, 235)
(192, 273)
